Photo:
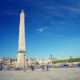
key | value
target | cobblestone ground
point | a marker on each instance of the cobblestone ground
(53, 74)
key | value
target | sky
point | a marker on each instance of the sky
(52, 27)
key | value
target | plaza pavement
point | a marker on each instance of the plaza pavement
(52, 74)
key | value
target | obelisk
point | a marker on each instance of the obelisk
(21, 60)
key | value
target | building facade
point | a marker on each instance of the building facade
(11, 62)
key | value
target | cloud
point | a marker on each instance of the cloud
(62, 22)
(49, 7)
(77, 10)
(71, 9)
(53, 22)
(62, 10)
(54, 10)
(41, 29)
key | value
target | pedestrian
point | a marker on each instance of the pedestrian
(1, 66)
(42, 67)
(32, 67)
(47, 68)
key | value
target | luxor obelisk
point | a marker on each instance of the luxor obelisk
(21, 60)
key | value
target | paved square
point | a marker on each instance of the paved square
(52, 74)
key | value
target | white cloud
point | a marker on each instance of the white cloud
(41, 29)
(49, 7)
(45, 28)
(71, 9)
(53, 22)
(61, 22)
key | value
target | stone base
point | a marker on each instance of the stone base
(21, 61)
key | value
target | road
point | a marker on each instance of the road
(52, 74)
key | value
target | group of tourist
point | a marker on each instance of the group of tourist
(44, 67)
(32, 67)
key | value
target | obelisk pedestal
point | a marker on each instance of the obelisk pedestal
(21, 60)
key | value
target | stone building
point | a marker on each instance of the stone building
(35, 61)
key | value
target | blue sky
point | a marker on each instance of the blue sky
(52, 27)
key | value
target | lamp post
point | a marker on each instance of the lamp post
(24, 63)
(51, 58)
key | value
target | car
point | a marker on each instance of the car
(18, 69)
(65, 65)
(78, 65)
(62, 65)
(5, 67)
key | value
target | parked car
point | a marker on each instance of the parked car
(65, 65)
(18, 69)
(5, 67)
(78, 65)
(62, 65)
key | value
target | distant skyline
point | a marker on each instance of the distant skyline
(52, 27)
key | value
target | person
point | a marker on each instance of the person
(53, 66)
(42, 67)
(32, 67)
(47, 68)
(1, 66)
